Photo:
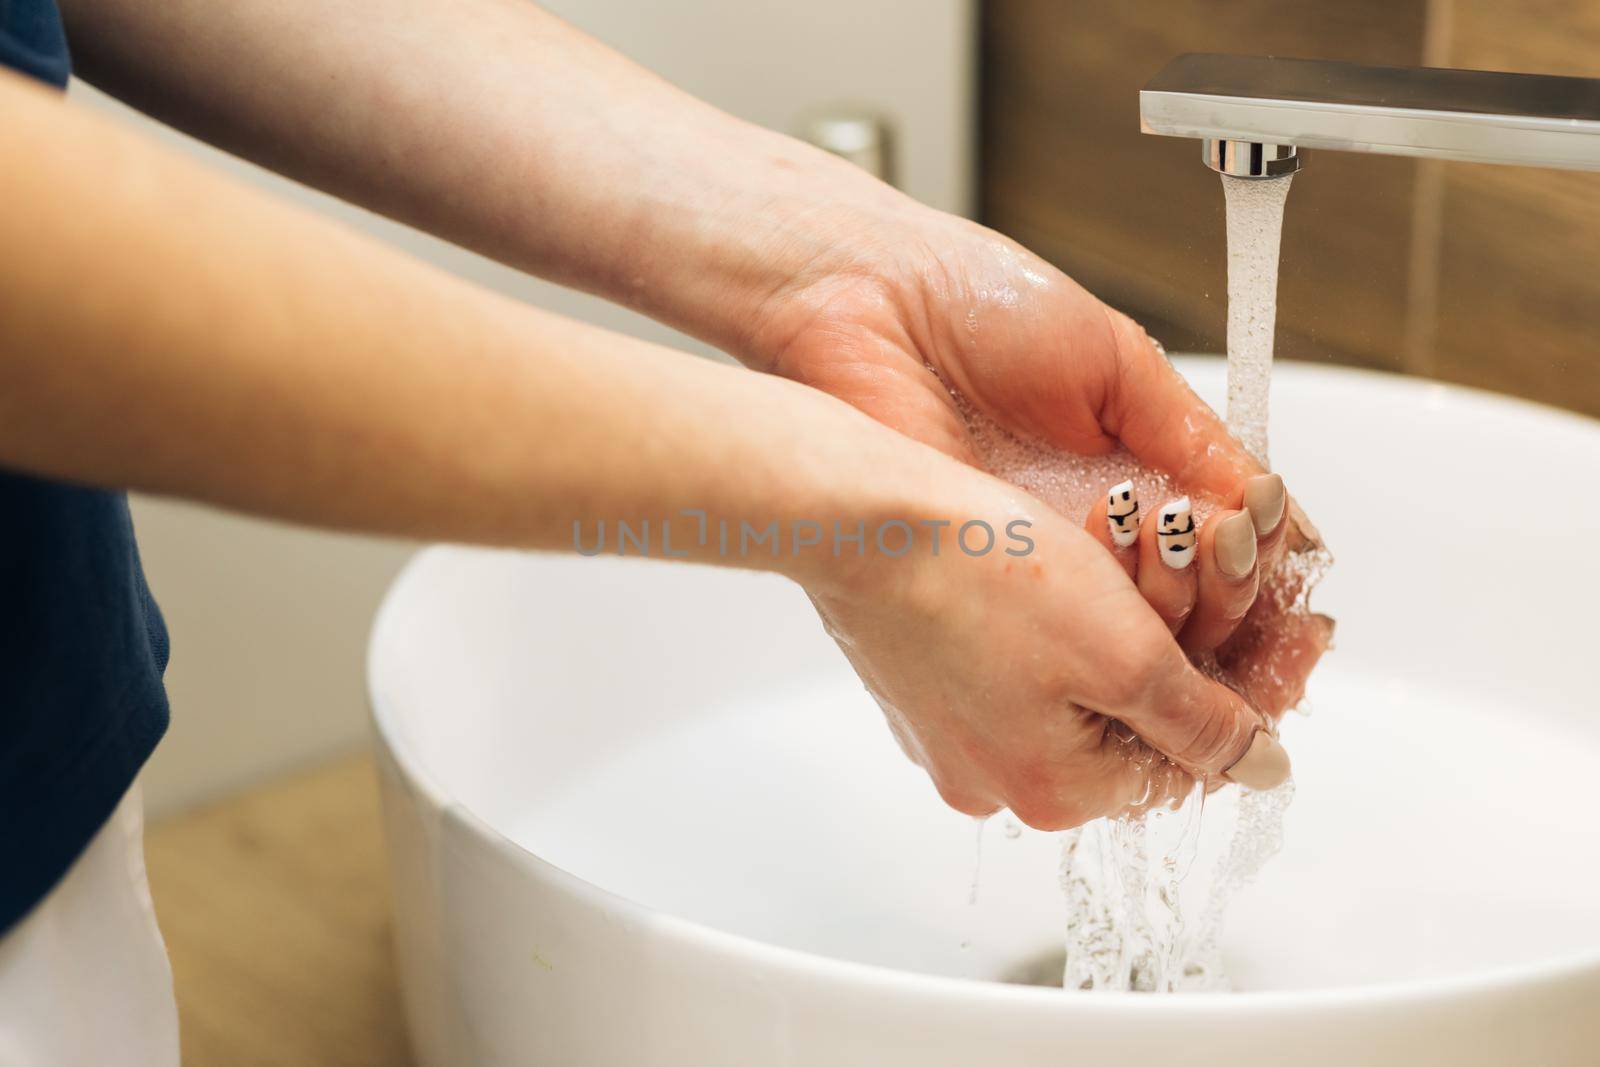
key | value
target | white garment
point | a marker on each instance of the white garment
(84, 978)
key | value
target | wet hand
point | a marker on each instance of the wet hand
(1201, 579)
(905, 309)
(1041, 682)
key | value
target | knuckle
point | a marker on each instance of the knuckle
(966, 801)
(1237, 608)
(1050, 817)
(1210, 741)
(1237, 601)
(1047, 809)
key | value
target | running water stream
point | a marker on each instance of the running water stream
(1123, 879)
(1255, 226)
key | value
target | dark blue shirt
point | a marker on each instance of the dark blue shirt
(82, 645)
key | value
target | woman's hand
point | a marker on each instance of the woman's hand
(1021, 680)
(910, 303)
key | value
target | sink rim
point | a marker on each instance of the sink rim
(694, 936)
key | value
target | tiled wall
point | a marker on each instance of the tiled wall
(1489, 276)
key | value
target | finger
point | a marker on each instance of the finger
(1079, 787)
(1054, 773)
(1301, 533)
(1203, 726)
(1226, 581)
(1114, 522)
(1146, 778)
(1152, 410)
(1166, 576)
(979, 805)
(1265, 498)
(1272, 656)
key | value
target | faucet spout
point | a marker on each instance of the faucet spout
(1246, 108)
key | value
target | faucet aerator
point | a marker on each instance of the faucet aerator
(1249, 159)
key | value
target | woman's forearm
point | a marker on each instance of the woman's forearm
(173, 332)
(495, 125)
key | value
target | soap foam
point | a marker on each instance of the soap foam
(1070, 483)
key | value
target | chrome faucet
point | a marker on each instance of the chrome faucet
(1252, 114)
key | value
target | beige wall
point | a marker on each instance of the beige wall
(269, 623)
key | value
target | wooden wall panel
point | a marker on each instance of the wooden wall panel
(1484, 275)
(1519, 277)
(1139, 220)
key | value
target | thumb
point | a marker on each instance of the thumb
(1206, 728)
(1153, 412)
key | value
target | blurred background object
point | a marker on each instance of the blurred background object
(1482, 275)
(859, 134)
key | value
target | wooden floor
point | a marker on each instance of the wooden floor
(275, 907)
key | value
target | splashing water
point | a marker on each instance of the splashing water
(1257, 837)
(1125, 915)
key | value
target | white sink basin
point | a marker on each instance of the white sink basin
(643, 814)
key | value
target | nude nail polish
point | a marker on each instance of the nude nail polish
(1235, 545)
(1122, 514)
(1264, 765)
(1264, 499)
(1175, 534)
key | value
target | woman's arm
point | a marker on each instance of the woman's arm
(164, 329)
(497, 126)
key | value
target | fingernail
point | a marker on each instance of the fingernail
(1175, 535)
(1235, 545)
(1264, 765)
(1122, 514)
(1264, 498)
